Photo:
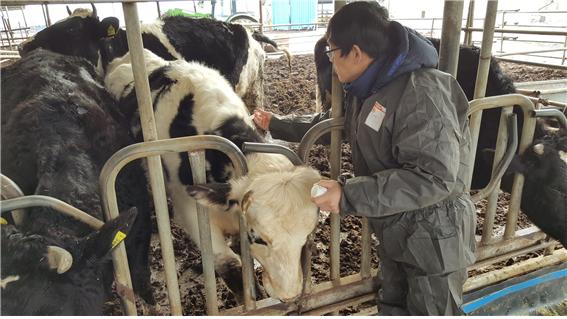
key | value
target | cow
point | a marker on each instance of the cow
(229, 48)
(51, 275)
(544, 196)
(59, 127)
(191, 99)
(498, 84)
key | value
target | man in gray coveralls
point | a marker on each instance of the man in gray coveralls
(407, 125)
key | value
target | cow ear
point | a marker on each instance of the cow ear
(212, 195)
(97, 245)
(108, 27)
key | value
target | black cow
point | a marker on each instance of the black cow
(50, 275)
(59, 127)
(498, 84)
(544, 199)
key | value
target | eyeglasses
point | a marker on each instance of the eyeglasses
(329, 52)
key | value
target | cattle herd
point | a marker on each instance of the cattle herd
(69, 103)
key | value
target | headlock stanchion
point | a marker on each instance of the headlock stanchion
(155, 148)
(53, 203)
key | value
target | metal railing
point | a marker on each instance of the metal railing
(154, 149)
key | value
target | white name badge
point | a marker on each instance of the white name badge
(376, 116)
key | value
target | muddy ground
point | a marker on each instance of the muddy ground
(288, 93)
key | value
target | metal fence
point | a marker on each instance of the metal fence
(325, 297)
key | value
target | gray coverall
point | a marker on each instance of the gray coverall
(409, 173)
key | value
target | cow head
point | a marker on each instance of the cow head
(543, 159)
(280, 217)
(77, 35)
(51, 276)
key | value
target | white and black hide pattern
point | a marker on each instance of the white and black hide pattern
(191, 99)
(228, 48)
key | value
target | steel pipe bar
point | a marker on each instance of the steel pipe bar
(341, 305)
(155, 148)
(506, 245)
(197, 162)
(251, 147)
(515, 253)
(502, 165)
(450, 36)
(335, 170)
(346, 288)
(365, 251)
(314, 133)
(527, 52)
(519, 31)
(247, 266)
(155, 169)
(469, 24)
(310, 137)
(517, 269)
(481, 80)
(53, 203)
(501, 142)
(9, 190)
(560, 116)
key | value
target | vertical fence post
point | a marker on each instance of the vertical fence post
(154, 163)
(470, 21)
(481, 79)
(197, 160)
(564, 51)
(450, 36)
(502, 33)
(47, 17)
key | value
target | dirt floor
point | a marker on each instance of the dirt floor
(527, 73)
(294, 93)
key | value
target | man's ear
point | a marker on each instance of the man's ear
(356, 52)
(97, 244)
(212, 195)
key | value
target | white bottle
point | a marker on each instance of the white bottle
(317, 190)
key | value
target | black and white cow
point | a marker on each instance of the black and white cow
(229, 48)
(544, 196)
(59, 127)
(52, 275)
(191, 99)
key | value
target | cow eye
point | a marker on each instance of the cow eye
(253, 238)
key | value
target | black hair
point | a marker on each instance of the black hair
(364, 24)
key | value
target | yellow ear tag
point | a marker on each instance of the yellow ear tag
(118, 238)
(3, 221)
(110, 32)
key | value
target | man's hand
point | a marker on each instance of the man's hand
(331, 199)
(262, 119)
